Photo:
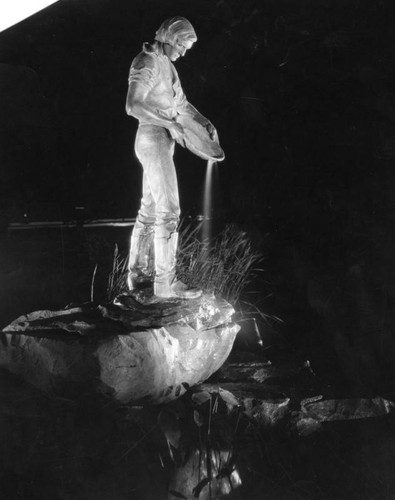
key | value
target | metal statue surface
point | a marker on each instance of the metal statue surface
(155, 97)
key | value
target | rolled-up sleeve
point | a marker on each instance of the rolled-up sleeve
(144, 71)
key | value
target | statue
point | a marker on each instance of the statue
(155, 97)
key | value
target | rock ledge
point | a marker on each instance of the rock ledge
(128, 350)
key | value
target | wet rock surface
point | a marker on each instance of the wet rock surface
(287, 393)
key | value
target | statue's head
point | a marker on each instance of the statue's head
(177, 32)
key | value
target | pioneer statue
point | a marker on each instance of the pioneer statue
(155, 97)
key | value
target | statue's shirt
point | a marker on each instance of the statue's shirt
(155, 71)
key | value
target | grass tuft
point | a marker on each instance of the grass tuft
(117, 279)
(224, 266)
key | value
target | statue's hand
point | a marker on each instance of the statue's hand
(212, 131)
(177, 132)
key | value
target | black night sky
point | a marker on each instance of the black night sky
(302, 93)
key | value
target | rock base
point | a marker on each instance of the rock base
(130, 351)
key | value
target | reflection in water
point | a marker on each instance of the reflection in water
(82, 448)
(202, 446)
(204, 458)
(205, 475)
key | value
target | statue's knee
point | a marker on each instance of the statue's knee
(167, 225)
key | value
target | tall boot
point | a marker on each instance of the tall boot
(140, 267)
(166, 285)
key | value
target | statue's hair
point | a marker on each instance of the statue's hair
(175, 28)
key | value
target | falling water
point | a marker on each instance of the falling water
(207, 201)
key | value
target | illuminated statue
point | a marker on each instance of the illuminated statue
(155, 97)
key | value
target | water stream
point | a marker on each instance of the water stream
(208, 200)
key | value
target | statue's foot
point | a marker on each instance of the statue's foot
(177, 289)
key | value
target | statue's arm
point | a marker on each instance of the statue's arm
(137, 106)
(141, 80)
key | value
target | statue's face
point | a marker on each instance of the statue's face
(173, 52)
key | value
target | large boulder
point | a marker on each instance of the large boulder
(131, 351)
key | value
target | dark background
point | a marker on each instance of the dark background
(302, 94)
